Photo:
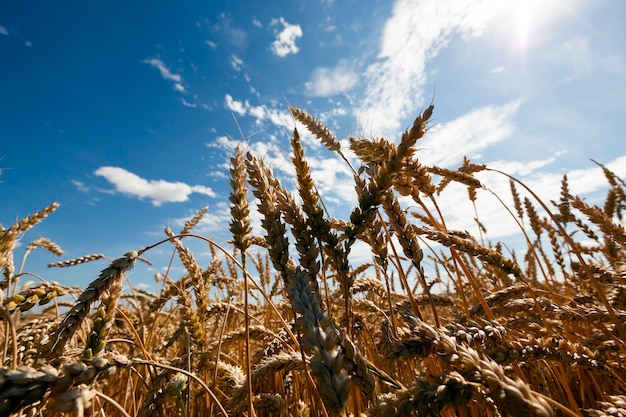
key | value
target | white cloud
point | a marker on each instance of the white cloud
(163, 69)
(446, 144)
(330, 81)
(256, 22)
(236, 106)
(415, 33)
(4, 31)
(285, 42)
(236, 62)
(211, 44)
(225, 143)
(166, 73)
(158, 191)
(280, 118)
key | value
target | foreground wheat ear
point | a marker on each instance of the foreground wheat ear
(284, 322)
(109, 280)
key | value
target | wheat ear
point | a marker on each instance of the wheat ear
(240, 229)
(109, 276)
(317, 128)
(10, 236)
(320, 338)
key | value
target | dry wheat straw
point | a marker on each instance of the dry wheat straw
(200, 290)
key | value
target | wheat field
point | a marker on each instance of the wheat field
(283, 323)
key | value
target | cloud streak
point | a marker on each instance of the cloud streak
(157, 191)
(166, 73)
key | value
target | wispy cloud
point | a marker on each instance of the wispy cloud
(395, 81)
(4, 31)
(327, 82)
(158, 191)
(446, 144)
(80, 186)
(236, 62)
(574, 57)
(227, 33)
(166, 73)
(285, 42)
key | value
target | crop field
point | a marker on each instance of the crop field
(283, 323)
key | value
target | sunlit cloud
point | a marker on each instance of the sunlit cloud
(279, 118)
(4, 31)
(285, 42)
(157, 191)
(327, 82)
(446, 144)
(225, 143)
(394, 82)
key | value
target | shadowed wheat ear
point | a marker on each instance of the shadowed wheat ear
(109, 277)
(240, 229)
(320, 338)
(264, 189)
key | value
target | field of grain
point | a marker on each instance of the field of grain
(284, 324)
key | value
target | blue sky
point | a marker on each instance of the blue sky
(124, 112)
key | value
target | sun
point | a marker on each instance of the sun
(525, 13)
(530, 16)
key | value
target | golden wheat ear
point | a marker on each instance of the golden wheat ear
(108, 278)
(10, 236)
